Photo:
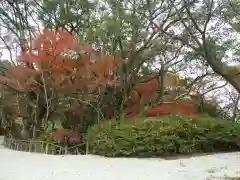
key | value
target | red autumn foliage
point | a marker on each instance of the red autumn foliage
(23, 71)
(146, 91)
(171, 108)
(61, 135)
(51, 59)
(147, 87)
(70, 135)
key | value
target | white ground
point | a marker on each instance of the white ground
(16, 165)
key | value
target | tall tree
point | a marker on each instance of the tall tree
(198, 32)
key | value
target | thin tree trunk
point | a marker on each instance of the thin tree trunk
(235, 108)
(161, 83)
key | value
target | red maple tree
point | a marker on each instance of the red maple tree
(57, 71)
(64, 63)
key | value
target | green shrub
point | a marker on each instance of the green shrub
(210, 109)
(166, 136)
(48, 137)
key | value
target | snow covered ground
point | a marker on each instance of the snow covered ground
(16, 165)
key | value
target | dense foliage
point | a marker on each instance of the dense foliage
(58, 74)
(82, 62)
(166, 136)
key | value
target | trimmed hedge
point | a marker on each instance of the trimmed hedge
(166, 136)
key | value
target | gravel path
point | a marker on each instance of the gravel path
(16, 165)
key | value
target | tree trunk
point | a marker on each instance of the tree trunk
(234, 81)
(161, 83)
(235, 110)
(224, 71)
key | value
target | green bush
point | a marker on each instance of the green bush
(166, 136)
(210, 109)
